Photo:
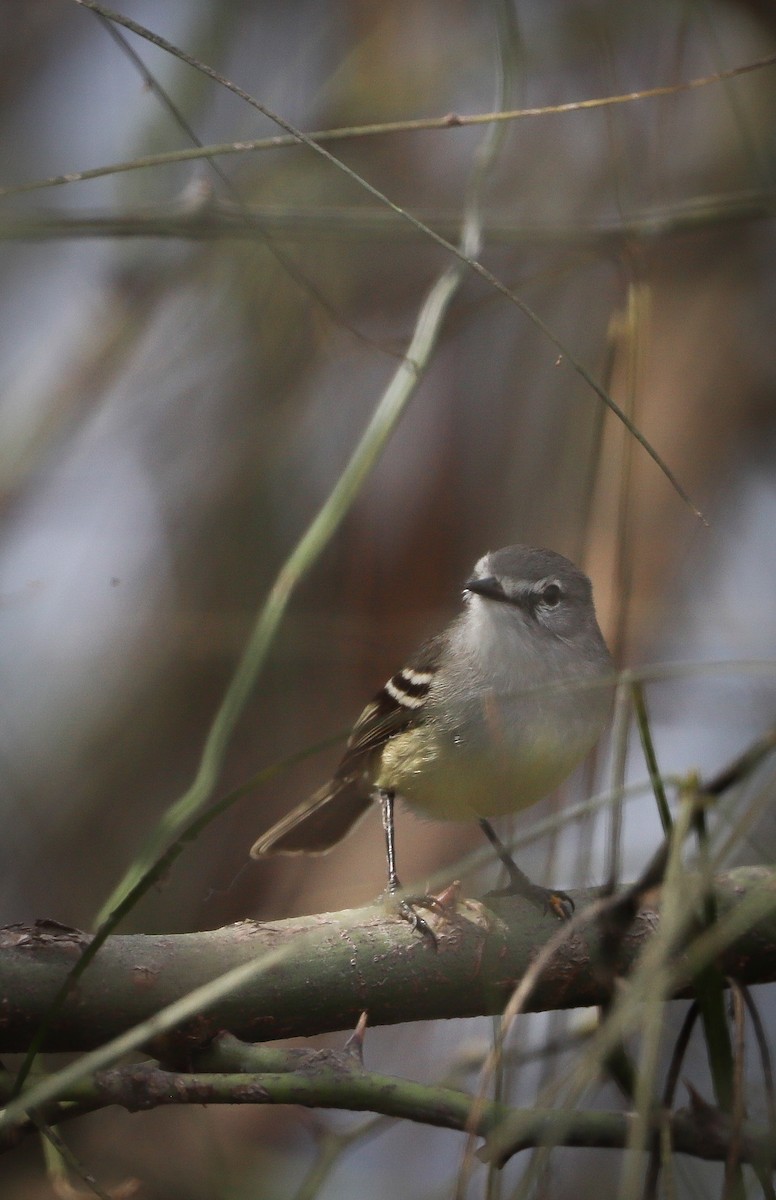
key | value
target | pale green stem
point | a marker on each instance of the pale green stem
(307, 550)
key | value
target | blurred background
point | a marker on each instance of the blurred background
(189, 356)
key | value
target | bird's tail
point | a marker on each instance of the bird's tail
(320, 822)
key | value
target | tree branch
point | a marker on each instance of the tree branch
(337, 965)
(231, 1072)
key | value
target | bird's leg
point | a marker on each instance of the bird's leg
(386, 810)
(405, 906)
(519, 883)
(518, 880)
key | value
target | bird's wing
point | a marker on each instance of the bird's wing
(398, 706)
(324, 819)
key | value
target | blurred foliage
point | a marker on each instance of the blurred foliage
(174, 410)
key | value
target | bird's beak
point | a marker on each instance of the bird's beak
(488, 586)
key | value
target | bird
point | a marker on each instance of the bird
(484, 719)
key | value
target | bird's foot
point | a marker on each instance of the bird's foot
(545, 899)
(444, 905)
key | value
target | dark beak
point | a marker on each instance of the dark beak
(489, 587)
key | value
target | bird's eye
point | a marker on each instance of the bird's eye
(551, 595)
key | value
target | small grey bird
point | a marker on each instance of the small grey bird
(485, 719)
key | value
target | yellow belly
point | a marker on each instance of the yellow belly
(449, 781)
